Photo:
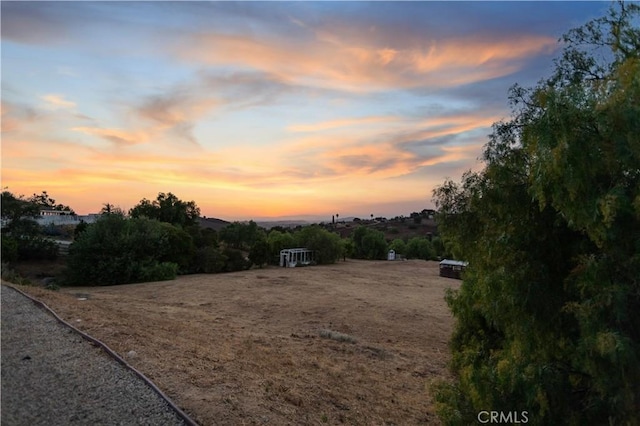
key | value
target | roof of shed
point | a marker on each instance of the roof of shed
(453, 262)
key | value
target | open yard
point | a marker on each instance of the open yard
(357, 342)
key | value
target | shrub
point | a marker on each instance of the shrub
(277, 241)
(116, 250)
(79, 229)
(37, 248)
(235, 260)
(177, 246)
(259, 254)
(399, 246)
(369, 243)
(208, 260)
(326, 245)
(159, 271)
(9, 249)
(12, 276)
(420, 248)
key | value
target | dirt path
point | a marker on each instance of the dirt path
(246, 348)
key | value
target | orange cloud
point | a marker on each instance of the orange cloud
(365, 152)
(354, 65)
(386, 55)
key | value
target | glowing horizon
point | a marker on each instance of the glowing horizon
(261, 110)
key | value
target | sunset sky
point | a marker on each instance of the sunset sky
(263, 109)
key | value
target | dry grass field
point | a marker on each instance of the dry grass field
(357, 342)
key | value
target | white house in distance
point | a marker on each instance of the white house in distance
(58, 217)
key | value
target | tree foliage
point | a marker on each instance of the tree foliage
(118, 250)
(44, 201)
(242, 236)
(548, 313)
(165, 208)
(279, 240)
(369, 243)
(22, 237)
(325, 244)
(19, 214)
(259, 253)
(399, 246)
(235, 260)
(420, 248)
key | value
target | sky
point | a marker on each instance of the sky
(258, 110)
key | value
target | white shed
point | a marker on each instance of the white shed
(391, 255)
(290, 258)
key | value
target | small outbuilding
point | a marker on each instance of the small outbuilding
(292, 257)
(391, 255)
(452, 268)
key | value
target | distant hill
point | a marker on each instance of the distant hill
(213, 223)
(284, 223)
(399, 227)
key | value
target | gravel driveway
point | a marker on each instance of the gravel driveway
(53, 376)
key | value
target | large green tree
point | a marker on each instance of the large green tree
(18, 214)
(167, 208)
(277, 241)
(420, 248)
(119, 250)
(325, 244)
(22, 237)
(44, 201)
(241, 235)
(548, 314)
(369, 243)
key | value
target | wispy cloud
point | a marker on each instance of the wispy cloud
(57, 101)
(31, 23)
(116, 136)
(14, 116)
(175, 112)
(333, 62)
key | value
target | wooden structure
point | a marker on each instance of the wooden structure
(292, 257)
(452, 268)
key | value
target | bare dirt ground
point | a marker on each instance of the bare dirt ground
(357, 342)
